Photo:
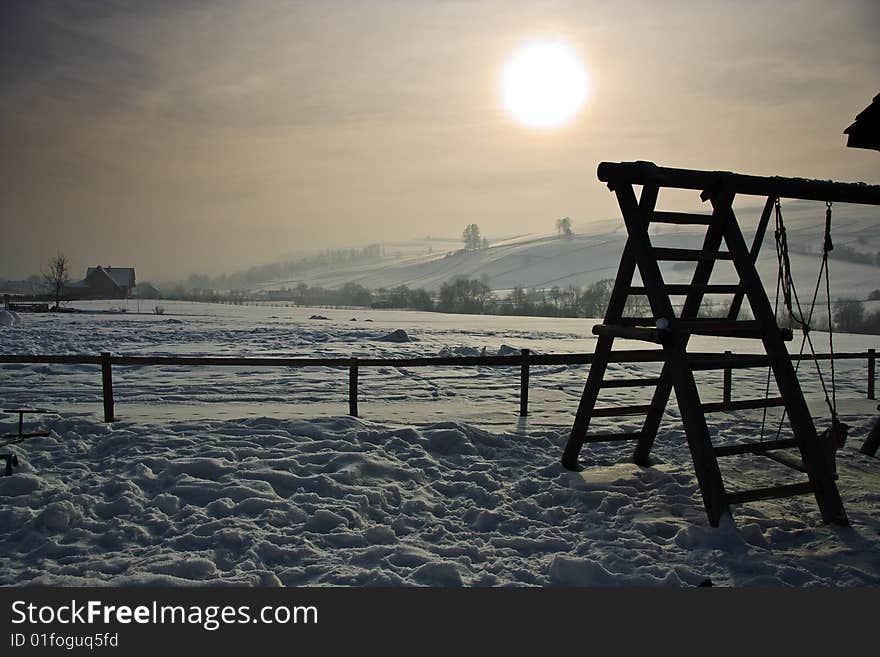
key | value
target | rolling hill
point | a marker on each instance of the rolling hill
(546, 260)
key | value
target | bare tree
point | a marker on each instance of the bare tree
(563, 227)
(472, 238)
(57, 276)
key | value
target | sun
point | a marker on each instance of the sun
(544, 84)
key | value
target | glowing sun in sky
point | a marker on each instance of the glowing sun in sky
(544, 84)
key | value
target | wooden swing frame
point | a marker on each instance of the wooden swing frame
(722, 227)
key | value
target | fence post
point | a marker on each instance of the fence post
(353, 387)
(107, 385)
(872, 370)
(728, 378)
(524, 383)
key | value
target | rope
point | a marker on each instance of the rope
(828, 247)
(789, 291)
(775, 317)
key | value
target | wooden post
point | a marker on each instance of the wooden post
(107, 385)
(800, 420)
(613, 312)
(676, 369)
(702, 275)
(739, 296)
(524, 384)
(728, 379)
(353, 387)
(872, 371)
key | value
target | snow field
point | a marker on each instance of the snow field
(255, 476)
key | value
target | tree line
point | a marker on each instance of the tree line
(851, 316)
(475, 296)
(459, 295)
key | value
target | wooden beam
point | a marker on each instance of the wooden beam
(721, 362)
(742, 405)
(616, 303)
(610, 437)
(691, 308)
(756, 448)
(727, 388)
(353, 387)
(78, 359)
(687, 289)
(107, 386)
(682, 218)
(676, 366)
(627, 332)
(800, 419)
(790, 462)
(688, 255)
(630, 383)
(772, 492)
(581, 424)
(761, 229)
(614, 411)
(648, 173)
(583, 358)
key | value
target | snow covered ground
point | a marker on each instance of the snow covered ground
(256, 475)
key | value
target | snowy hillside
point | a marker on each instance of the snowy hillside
(544, 261)
(256, 476)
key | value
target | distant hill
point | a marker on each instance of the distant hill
(593, 253)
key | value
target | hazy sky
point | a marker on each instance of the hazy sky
(205, 136)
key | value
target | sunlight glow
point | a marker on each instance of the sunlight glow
(544, 85)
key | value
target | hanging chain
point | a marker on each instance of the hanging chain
(779, 278)
(829, 246)
(791, 299)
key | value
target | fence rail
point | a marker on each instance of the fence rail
(727, 362)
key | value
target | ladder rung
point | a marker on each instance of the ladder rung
(713, 326)
(718, 323)
(756, 448)
(742, 405)
(692, 218)
(630, 383)
(627, 332)
(610, 437)
(737, 361)
(636, 321)
(614, 411)
(687, 255)
(785, 490)
(727, 328)
(697, 321)
(675, 288)
(792, 462)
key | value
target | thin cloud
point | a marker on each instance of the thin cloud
(200, 136)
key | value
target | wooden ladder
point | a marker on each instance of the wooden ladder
(723, 241)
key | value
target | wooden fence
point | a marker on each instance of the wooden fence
(728, 361)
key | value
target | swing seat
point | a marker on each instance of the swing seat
(833, 438)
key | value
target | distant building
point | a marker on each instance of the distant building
(865, 130)
(103, 283)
